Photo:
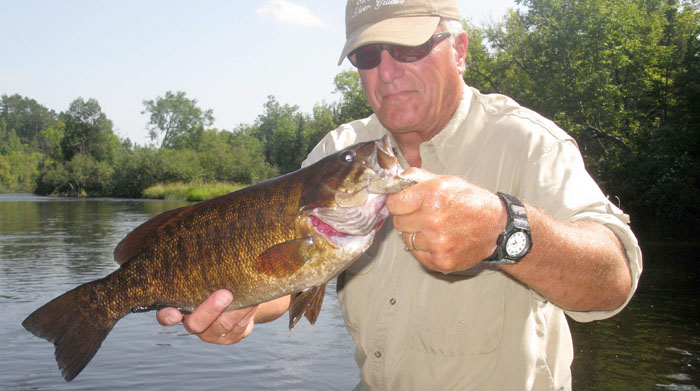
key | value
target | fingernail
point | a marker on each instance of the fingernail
(170, 319)
(223, 300)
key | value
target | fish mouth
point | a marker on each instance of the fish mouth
(357, 221)
(385, 155)
(388, 180)
(361, 213)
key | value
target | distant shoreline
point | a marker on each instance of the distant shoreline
(191, 192)
(175, 191)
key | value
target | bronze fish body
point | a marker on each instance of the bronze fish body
(287, 235)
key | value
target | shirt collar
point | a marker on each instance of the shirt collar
(444, 142)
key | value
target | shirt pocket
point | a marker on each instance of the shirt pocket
(458, 315)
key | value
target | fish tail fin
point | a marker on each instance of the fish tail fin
(76, 324)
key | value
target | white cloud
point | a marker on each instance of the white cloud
(284, 11)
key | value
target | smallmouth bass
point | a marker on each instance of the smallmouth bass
(287, 235)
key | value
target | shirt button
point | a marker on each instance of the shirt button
(392, 301)
(377, 354)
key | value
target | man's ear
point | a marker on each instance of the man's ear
(461, 46)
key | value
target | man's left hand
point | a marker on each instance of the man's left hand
(454, 224)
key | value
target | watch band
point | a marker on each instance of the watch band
(516, 222)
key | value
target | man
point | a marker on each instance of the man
(439, 316)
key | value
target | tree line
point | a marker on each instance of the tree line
(622, 77)
(76, 153)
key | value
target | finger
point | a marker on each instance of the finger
(207, 312)
(418, 174)
(233, 321)
(431, 261)
(413, 243)
(229, 327)
(423, 257)
(241, 329)
(406, 201)
(168, 316)
(410, 200)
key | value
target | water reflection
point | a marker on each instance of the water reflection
(655, 342)
(48, 246)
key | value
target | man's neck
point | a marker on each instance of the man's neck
(409, 142)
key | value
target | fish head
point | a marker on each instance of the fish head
(345, 199)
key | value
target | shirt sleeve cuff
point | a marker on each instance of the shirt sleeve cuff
(618, 222)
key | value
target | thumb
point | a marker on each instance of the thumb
(410, 199)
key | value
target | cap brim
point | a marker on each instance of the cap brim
(405, 31)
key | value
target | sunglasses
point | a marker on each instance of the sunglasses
(369, 56)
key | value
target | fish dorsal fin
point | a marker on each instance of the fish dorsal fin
(142, 237)
(284, 259)
(307, 303)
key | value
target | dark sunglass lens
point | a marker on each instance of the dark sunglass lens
(369, 56)
(411, 53)
(366, 57)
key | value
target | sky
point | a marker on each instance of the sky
(228, 55)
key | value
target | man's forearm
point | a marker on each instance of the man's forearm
(272, 310)
(579, 266)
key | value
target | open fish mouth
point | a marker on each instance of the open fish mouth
(362, 213)
(356, 221)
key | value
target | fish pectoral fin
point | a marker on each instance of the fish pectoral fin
(307, 303)
(284, 259)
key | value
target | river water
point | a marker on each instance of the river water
(49, 245)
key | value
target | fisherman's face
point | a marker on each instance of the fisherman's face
(419, 96)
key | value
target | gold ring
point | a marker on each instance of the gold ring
(413, 241)
(223, 335)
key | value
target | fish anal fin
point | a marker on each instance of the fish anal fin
(307, 303)
(284, 259)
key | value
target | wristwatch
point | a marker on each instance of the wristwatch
(515, 241)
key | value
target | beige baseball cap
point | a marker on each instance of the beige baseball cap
(398, 22)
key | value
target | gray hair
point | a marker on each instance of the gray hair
(452, 26)
(455, 28)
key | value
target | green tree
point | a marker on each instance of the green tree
(88, 176)
(323, 122)
(88, 131)
(139, 168)
(177, 120)
(8, 139)
(280, 129)
(617, 75)
(25, 116)
(51, 140)
(19, 170)
(235, 157)
(353, 104)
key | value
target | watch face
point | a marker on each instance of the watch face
(517, 244)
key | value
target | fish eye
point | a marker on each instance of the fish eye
(348, 156)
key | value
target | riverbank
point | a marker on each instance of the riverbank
(192, 192)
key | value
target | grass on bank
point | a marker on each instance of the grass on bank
(192, 192)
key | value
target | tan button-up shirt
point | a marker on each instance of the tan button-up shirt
(478, 329)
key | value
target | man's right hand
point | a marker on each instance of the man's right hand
(210, 322)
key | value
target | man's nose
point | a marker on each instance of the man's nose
(389, 69)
